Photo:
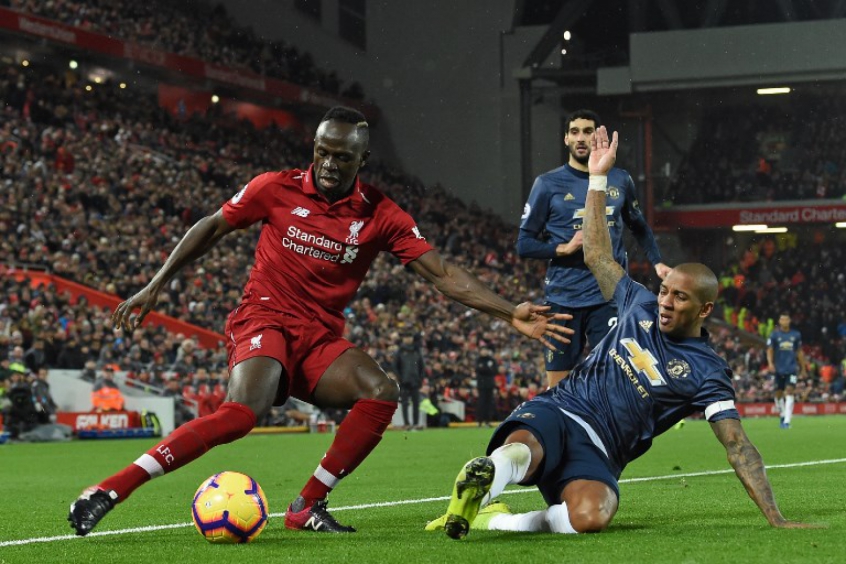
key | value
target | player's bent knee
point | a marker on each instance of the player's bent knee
(379, 387)
(589, 520)
(591, 505)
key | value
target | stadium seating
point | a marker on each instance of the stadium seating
(200, 29)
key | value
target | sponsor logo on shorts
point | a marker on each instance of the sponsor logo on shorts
(255, 342)
(527, 415)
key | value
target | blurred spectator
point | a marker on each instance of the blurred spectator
(486, 369)
(409, 367)
(106, 396)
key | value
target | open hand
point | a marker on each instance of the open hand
(533, 321)
(603, 153)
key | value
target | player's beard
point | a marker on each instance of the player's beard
(582, 160)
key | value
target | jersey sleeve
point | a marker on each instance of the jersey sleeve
(533, 222)
(536, 210)
(629, 294)
(636, 222)
(717, 397)
(404, 238)
(251, 204)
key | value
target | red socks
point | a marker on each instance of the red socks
(357, 436)
(190, 441)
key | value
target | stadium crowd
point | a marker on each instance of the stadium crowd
(196, 29)
(792, 154)
(99, 185)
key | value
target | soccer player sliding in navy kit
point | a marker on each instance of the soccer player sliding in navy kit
(654, 368)
(551, 229)
(321, 230)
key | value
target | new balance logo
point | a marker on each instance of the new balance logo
(313, 524)
(569, 197)
(255, 343)
(302, 212)
(646, 325)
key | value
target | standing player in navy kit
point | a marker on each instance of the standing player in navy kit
(786, 360)
(654, 368)
(321, 230)
(556, 209)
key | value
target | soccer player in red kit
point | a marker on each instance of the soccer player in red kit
(321, 230)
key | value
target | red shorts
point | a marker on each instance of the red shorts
(304, 347)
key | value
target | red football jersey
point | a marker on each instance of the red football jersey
(312, 255)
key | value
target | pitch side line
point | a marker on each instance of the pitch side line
(151, 528)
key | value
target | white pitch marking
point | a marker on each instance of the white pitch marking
(151, 528)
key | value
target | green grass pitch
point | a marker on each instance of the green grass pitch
(678, 517)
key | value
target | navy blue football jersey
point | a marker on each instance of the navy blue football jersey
(638, 382)
(556, 209)
(785, 345)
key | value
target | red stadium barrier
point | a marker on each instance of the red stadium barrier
(727, 215)
(78, 420)
(768, 409)
(206, 338)
(61, 33)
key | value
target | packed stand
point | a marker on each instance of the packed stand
(99, 186)
(100, 194)
(766, 153)
(803, 279)
(197, 29)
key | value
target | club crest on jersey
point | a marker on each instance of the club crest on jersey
(355, 229)
(255, 342)
(237, 197)
(645, 324)
(678, 368)
(613, 192)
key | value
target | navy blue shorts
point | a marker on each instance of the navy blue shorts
(784, 380)
(590, 324)
(569, 454)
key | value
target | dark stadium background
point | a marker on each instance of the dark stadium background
(113, 145)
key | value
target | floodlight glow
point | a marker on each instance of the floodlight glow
(778, 90)
(748, 227)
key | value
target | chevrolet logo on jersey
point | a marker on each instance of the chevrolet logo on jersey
(644, 362)
(580, 213)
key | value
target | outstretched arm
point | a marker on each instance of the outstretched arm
(458, 284)
(202, 236)
(749, 467)
(599, 256)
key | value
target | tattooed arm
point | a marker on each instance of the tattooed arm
(749, 467)
(599, 256)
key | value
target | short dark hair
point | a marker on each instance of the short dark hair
(584, 114)
(346, 115)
